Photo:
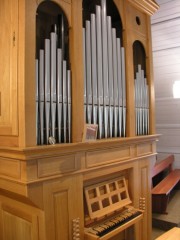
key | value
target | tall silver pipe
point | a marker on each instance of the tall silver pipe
(88, 71)
(104, 52)
(123, 90)
(65, 100)
(119, 83)
(37, 101)
(105, 65)
(99, 69)
(41, 86)
(94, 67)
(53, 82)
(59, 93)
(69, 103)
(84, 70)
(47, 87)
(62, 35)
(115, 80)
(110, 75)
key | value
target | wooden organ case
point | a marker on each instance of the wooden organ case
(90, 62)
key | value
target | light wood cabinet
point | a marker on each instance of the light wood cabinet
(49, 182)
(42, 187)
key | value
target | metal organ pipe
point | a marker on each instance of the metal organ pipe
(123, 90)
(94, 68)
(59, 92)
(119, 84)
(41, 89)
(99, 73)
(37, 102)
(109, 76)
(105, 65)
(84, 68)
(114, 45)
(53, 91)
(88, 72)
(47, 87)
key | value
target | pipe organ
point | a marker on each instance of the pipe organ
(104, 75)
(65, 64)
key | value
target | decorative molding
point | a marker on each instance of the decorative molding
(148, 6)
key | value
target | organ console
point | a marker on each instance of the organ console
(109, 209)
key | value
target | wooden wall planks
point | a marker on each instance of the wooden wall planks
(166, 59)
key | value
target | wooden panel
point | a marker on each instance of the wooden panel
(145, 183)
(20, 228)
(19, 221)
(106, 156)
(53, 166)
(133, 14)
(76, 59)
(61, 215)
(63, 202)
(8, 67)
(143, 149)
(10, 168)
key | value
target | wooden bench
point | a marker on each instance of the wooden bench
(161, 192)
(173, 234)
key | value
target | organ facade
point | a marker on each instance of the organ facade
(66, 64)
